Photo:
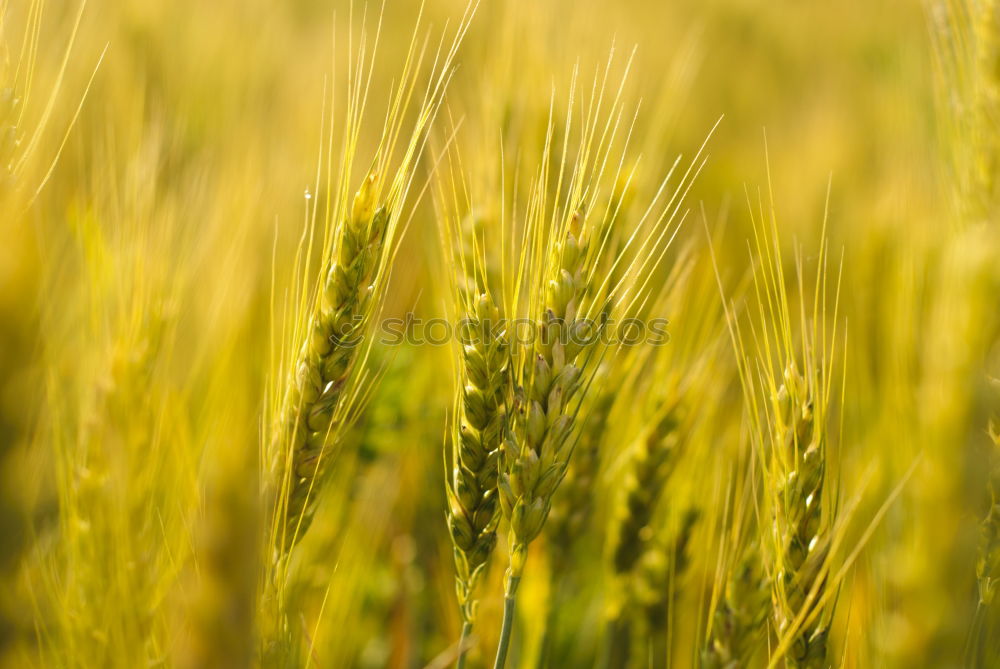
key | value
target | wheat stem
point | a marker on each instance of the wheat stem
(462, 641)
(509, 605)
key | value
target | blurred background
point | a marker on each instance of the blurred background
(165, 150)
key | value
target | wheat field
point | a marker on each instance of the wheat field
(496, 333)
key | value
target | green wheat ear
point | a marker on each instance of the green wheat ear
(798, 475)
(319, 391)
(472, 486)
(659, 577)
(537, 445)
(536, 449)
(738, 622)
(786, 368)
(640, 560)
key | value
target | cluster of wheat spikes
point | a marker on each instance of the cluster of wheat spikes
(519, 398)
(217, 449)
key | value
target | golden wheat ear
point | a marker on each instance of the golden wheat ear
(320, 384)
(320, 381)
(787, 364)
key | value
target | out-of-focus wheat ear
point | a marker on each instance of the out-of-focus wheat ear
(572, 507)
(738, 622)
(18, 141)
(659, 582)
(653, 460)
(966, 38)
(632, 539)
(988, 564)
(220, 616)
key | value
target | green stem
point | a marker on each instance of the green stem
(508, 623)
(466, 630)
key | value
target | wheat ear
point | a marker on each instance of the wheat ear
(316, 398)
(658, 582)
(536, 449)
(652, 463)
(797, 476)
(472, 487)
